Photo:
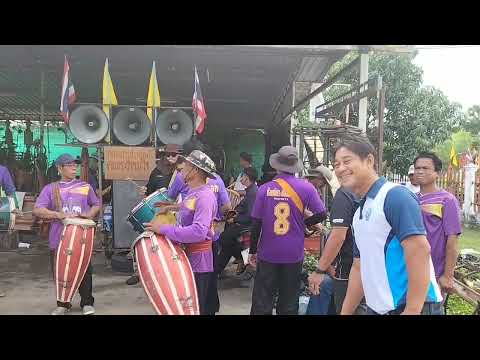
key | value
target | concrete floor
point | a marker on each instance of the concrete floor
(25, 279)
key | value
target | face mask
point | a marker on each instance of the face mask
(187, 176)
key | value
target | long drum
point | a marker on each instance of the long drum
(166, 275)
(7, 218)
(73, 256)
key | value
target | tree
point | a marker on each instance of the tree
(472, 121)
(416, 118)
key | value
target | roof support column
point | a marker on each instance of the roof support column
(363, 103)
(42, 104)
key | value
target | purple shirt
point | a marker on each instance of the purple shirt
(195, 224)
(178, 187)
(441, 216)
(76, 194)
(283, 228)
(217, 185)
(6, 181)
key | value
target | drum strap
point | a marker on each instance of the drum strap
(201, 246)
(291, 193)
(56, 196)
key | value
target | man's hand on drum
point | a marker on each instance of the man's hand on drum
(156, 228)
(60, 215)
(163, 207)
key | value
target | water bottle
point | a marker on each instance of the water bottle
(107, 218)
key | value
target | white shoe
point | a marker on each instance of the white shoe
(60, 311)
(88, 310)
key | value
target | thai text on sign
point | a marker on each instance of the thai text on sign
(122, 162)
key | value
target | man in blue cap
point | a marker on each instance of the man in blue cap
(77, 199)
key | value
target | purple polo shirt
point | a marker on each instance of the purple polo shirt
(283, 228)
(441, 216)
(195, 224)
(77, 194)
(178, 187)
(6, 181)
(217, 185)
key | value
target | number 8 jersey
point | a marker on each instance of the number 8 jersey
(280, 205)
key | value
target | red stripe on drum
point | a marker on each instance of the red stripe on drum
(189, 292)
(79, 267)
(158, 272)
(143, 280)
(57, 263)
(161, 247)
(71, 242)
(152, 274)
(192, 283)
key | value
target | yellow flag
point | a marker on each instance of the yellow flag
(109, 97)
(153, 98)
(453, 156)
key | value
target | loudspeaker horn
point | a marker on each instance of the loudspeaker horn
(131, 126)
(174, 126)
(89, 124)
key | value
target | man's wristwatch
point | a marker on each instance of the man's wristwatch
(320, 271)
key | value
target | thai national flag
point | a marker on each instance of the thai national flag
(198, 106)
(68, 96)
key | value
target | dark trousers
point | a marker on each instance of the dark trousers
(428, 309)
(230, 246)
(85, 289)
(201, 281)
(272, 278)
(213, 302)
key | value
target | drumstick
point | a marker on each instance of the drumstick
(134, 183)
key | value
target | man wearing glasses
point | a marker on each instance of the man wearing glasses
(166, 163)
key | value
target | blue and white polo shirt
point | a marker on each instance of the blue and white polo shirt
(387, 215)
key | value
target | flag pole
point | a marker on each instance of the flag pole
(194, 106)
(109, 93)
(154, 112)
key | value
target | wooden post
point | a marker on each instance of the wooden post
(381, 111)
(42, 105)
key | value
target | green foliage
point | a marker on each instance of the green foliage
(462, 141)
(472, 121)
(416, 118)
(310, 262)
(457, 306)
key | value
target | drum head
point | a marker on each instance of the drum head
(145, 234)
(155, 194)
(78, 221)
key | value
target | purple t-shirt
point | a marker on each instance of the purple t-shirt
(177, 187)
(6, 181)
(441, 216)
(76, 194)
(217, 185)
(195, 224)
(283, 228)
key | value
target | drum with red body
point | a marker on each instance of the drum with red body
(73, 256)
(166, 275)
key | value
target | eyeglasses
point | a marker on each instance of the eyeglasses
(171, 155)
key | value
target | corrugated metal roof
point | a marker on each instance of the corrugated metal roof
(240, 85)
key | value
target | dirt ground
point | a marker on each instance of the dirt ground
(25, 279)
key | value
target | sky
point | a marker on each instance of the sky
(455, 70)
